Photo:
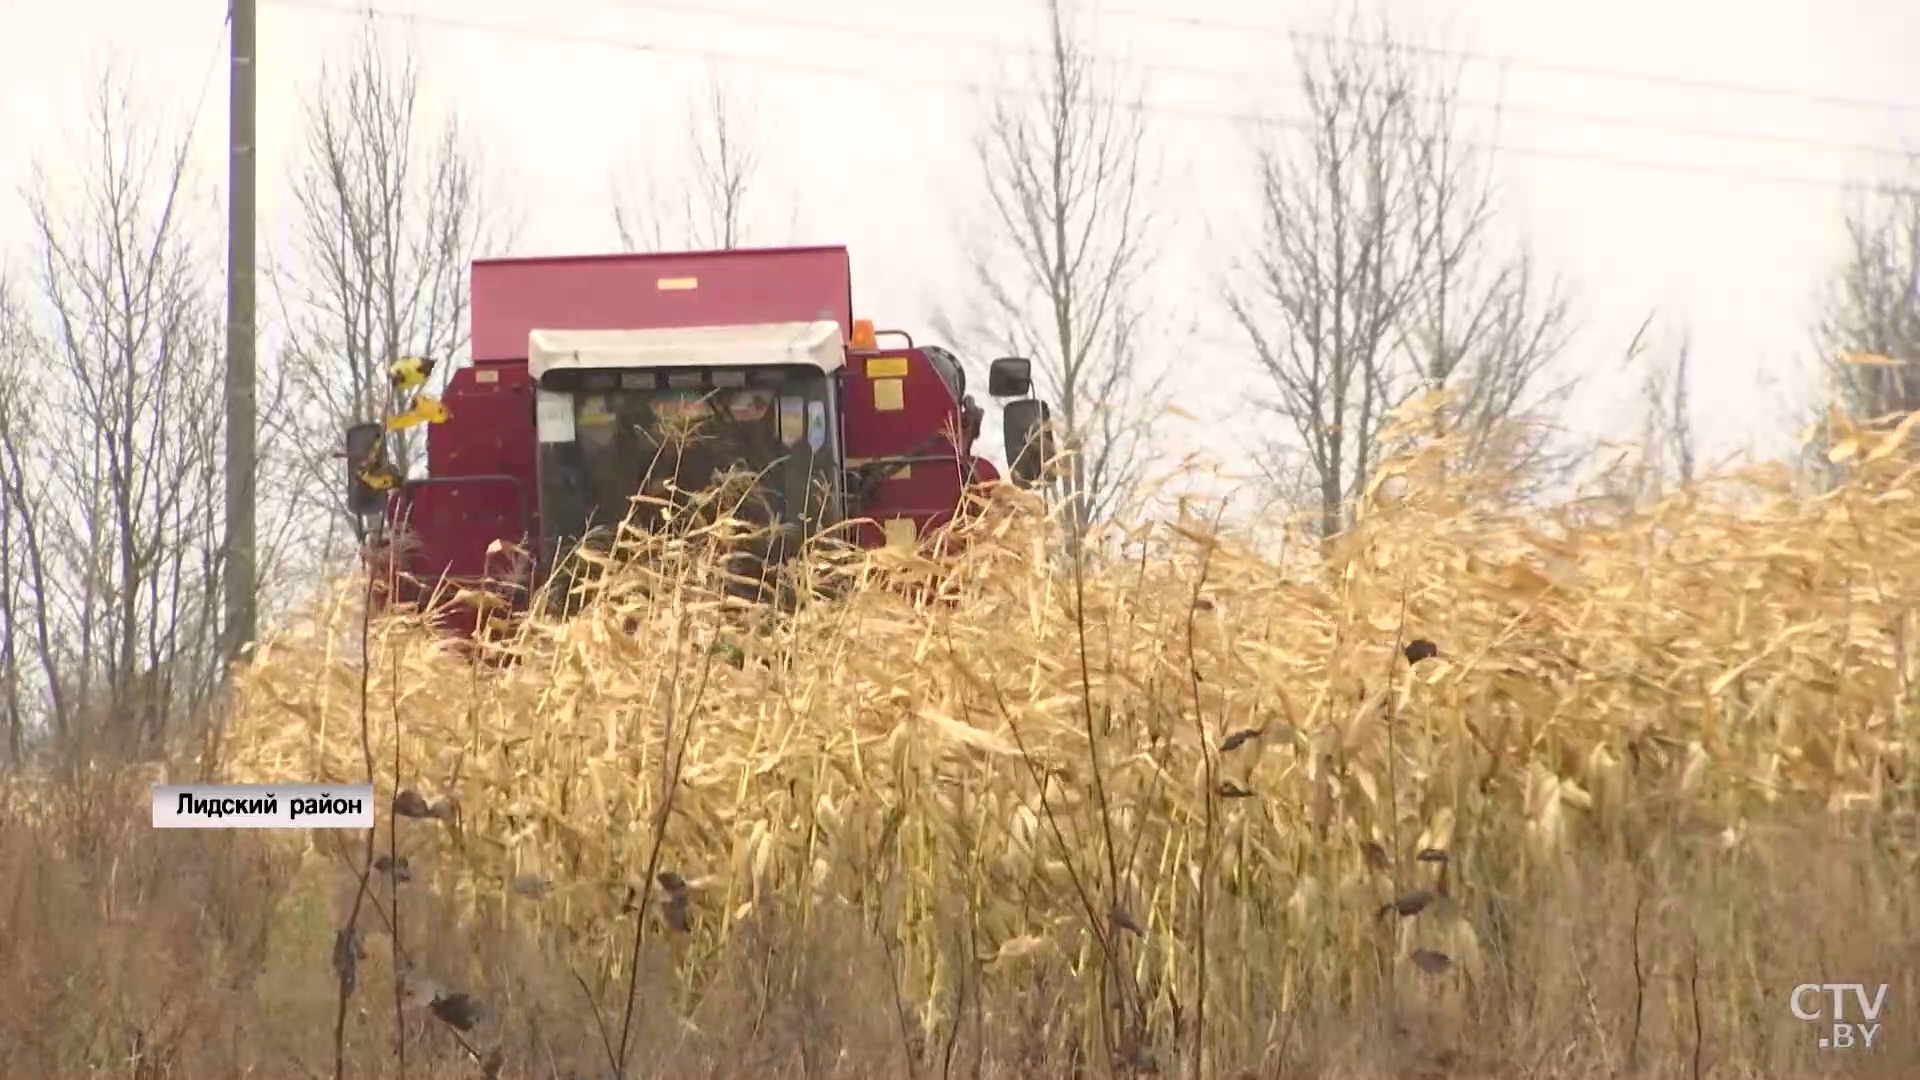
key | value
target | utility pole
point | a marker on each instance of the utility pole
(242, 436)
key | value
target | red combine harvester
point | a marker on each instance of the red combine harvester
(581, 366)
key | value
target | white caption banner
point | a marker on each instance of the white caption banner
(263, 806)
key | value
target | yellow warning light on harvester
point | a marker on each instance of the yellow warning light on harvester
(863, 336)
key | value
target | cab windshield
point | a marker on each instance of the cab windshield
(762, 436)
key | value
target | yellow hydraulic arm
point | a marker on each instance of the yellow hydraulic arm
(404, 374)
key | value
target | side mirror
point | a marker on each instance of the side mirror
(1029, 435)
(369, 475)
(1010, 376)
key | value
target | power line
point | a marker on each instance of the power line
(921, 79)
(996, 45)
(206, 79)
(1683, 82)
(448, 22)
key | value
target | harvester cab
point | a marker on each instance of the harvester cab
(598, 381)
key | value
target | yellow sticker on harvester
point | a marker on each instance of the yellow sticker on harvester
(793, 419)
(900, 532)
(889, 395)
(887, 367)
(594, 412)
(890, 472)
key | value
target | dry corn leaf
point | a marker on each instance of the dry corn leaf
(884, 745)
(1895, 438)
(1015, 948)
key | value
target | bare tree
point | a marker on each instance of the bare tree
(1873, 306)
(19, 345)
(709, 207)
(1379, 272)
(1667, 440)
(1059, 270)
(391, 212)
(1867, 335)
(110, 456)
(1342, 260)
(1484, 328)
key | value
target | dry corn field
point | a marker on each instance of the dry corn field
(1580, 792)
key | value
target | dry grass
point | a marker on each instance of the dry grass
(1667, 751)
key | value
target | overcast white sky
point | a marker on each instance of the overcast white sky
(864, 107)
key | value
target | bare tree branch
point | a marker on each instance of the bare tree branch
(1873, 306)
(710, 207)
(1668, 452)
(20, 554)
(1378, 273)
(391, 212)
(1059, 272)
(110, 462)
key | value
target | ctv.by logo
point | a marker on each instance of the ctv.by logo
(1845, 1035)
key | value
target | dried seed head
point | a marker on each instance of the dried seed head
(456, 1010)
(1376, 855)
(1238, 739)
(1411, 904)
(346, 954)
(1421, 649)
(1231, 790)
(675, 911)
(1432, 855)
(530, 885)
(1431, 962)
(409, 804)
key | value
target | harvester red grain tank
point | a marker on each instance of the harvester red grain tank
(579, 361)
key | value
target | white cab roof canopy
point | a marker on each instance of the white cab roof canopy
(816, 344)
